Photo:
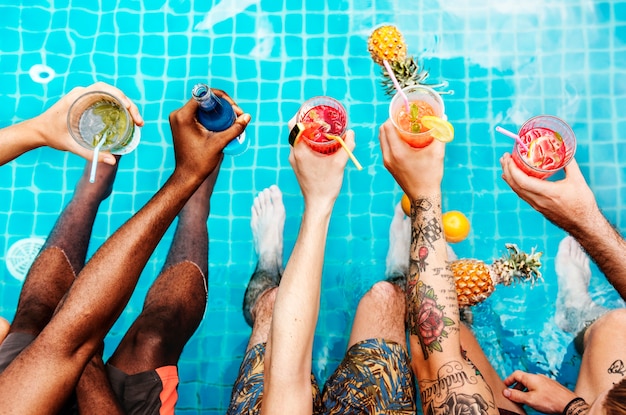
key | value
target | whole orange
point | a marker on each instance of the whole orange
(406, 204)
(456, 226)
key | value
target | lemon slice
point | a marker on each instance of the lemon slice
(440, 129)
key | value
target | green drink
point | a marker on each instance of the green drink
(99, 120)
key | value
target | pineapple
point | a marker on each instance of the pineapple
(475, 280)
(386, 43)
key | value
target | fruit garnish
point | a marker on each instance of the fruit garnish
(439, 128)
(547, 151)
(311, 130)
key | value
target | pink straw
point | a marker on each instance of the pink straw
(513, 136)
(397, 85)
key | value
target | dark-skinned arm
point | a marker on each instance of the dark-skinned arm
(39, 380)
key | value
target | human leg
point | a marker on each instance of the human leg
(63, 255)
(475, 354)
(575, 308)
(375, 375)
(381, 311)
(603, 360)
(175, 303)
(4, 328)
(267, 223)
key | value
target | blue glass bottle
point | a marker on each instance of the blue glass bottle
(216, 114)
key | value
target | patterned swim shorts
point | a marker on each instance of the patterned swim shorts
(373, 378)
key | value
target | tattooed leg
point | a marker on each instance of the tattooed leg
(604, 358)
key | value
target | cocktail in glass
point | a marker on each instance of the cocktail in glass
(322, 116)
(99, 120)
(422, 101)
(550, 146)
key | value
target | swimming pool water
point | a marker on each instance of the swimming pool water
(505, 61)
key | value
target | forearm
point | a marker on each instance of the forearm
(604, 245)
(447, 381)
(432, 315)
(288, 364)
(17, 139)
(93, 391)
(297, 303)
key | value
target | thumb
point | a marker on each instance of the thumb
(349, 140)
(103, 157)
(572, 169)
(235, 130)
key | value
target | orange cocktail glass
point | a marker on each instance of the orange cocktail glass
(422, 101)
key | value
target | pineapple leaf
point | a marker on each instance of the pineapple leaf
(408, 73)
(517, 266)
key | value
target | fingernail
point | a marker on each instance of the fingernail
(506, 393)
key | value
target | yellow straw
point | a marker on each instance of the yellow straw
(343, 144)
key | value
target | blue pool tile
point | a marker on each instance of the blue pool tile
(127, 21)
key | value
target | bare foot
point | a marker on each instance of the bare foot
(574, 307)
(268, 223)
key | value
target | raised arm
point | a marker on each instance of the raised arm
(570, 204)
(44, 374)
(50, 128)
(287, 383)
(448, 383)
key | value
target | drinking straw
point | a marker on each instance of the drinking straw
(513, 136)
(94, 161)
(343, 144)
(397, 85)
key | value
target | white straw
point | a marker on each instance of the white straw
(94, 161)
(513, 136)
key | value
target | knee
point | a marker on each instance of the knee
(384, 295)
(607, 326)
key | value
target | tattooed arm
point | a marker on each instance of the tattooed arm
(570, 204)
(448, 382)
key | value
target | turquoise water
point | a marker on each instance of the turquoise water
(504, 60)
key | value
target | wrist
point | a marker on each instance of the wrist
(34, 132)
(576, 406)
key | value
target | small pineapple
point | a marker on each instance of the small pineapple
(386, 43)
(475, 280)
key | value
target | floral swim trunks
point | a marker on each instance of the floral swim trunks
(373, 378)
